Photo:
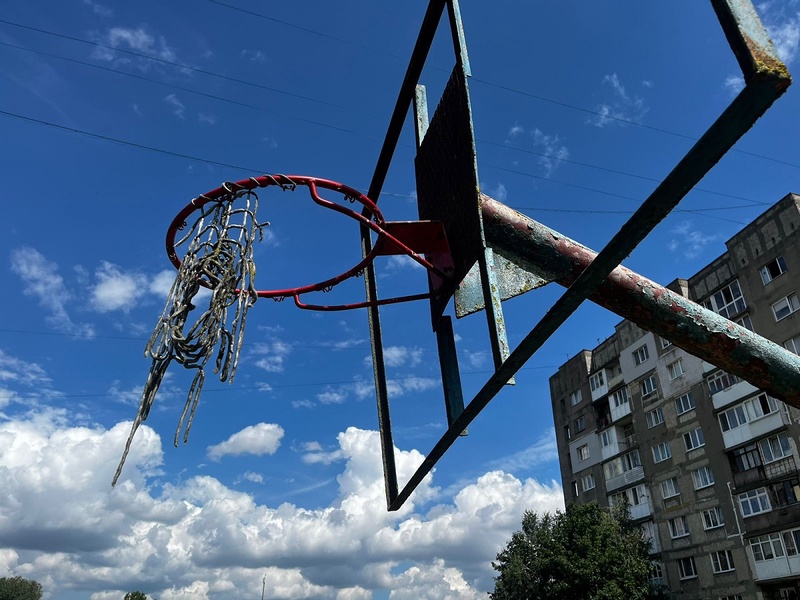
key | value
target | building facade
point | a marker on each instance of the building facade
(708, 464)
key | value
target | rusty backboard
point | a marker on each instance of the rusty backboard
(447, 181)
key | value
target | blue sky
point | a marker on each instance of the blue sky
(579, 109)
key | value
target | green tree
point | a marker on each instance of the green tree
(584, 552)
(19, 588)
(137, 595)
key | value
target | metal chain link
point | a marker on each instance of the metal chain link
(219, 257)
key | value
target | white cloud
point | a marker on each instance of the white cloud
(542, 451)
(401, 356)
(399, 262)
(253, 477)
(209, 119)
(201, 539)
(99, 9)
(302, 404)
(256, 56)
(331, 396)
(116, 290)
(176, 106)
(161, 284)
(478, 359)
(734, 84)
(139, 40)
(621, 107)
(271, 355)
(260, 439)
(41, 280)
(515, 130)
(499, 192)
(549, 145)
(689, 241)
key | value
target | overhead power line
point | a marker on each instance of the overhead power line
(500, 86)
(345, 130)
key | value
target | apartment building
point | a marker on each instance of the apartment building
(708, 464)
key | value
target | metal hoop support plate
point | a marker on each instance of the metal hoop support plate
(409, 238)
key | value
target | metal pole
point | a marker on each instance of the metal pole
(263, 586)
(702, 332)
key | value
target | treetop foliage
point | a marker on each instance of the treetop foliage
(584, 552)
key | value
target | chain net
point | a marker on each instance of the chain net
(219, 258)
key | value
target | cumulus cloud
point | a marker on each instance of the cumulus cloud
(200, 539)
(734, 84)
(260, 439)
(621, 106)
(41, 280)
(116, 290)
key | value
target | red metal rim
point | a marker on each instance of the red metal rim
(372, 218)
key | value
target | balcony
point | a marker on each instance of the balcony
(598, 382)
(618, 412)
(754, 429)
(732, 394)
(640, 511)
(783, 566)
(625, 478)
(617, 444)
(786, 467)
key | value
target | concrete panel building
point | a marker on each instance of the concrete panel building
(708, 464)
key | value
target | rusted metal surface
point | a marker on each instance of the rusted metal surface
(697, 330)
(749, 40)
(511, 281)
(733, 348)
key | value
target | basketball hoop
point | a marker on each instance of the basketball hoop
(219, 251)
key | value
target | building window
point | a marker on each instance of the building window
(662, 452)
(575, 397)
(791, 540)
(669, 488)
(579, 424)
(654, 417)
(712, 518)
(754, 502)
(702, 477)
(721, 380)
(745, 458)
(728, 301)
(687, 568)
(620, 397)
(583, 452)
(640, 355)
(745, 322)
(665, 343)
(605, 438)
(775, 448)
(749, 410)
(678, 527)
(785, 306)
(793, 344)
(772, 269)
(684, 404)
(648, 386)
(675, 369)
(767, 547)
(596, 381)
(622, 464)
(588, 482)
(575, 489)
(722, 561)
(694, 439)
(734, 597)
